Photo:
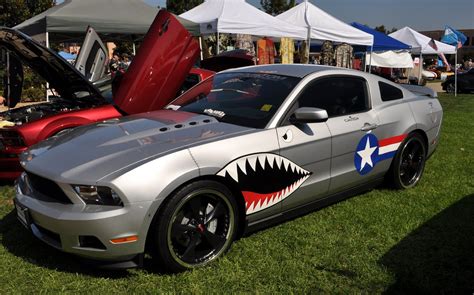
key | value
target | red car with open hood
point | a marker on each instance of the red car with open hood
(154, 78)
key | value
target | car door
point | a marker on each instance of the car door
(157, 72)
(307, 145)
(92, 60)
(351, 124)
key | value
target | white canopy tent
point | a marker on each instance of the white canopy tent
(391, 59)
(240, 17)
(320, 25)
(422, 44)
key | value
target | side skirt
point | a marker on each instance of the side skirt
(310, 207)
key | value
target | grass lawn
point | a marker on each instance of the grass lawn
(419, 240)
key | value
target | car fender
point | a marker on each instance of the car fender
(154, 181)
(55, 126)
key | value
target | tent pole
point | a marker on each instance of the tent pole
(218, 43)
(456, 73)
(47, 84)
(200, 47)
(420, 68)
(370, 61)
(309, 28)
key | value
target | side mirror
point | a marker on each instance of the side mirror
(309, 115)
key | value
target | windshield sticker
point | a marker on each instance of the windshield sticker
(266, 108)
(214, 113)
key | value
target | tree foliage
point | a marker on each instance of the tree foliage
(13, 12)
(384, 30)
(275, 7)
(180, 6)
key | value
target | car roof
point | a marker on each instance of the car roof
(292, 70)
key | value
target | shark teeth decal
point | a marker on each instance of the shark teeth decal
(264, 179)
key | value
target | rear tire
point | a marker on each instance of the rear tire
(196, 226)
(450, 88)
(409, 163)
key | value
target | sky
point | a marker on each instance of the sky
(421, 15)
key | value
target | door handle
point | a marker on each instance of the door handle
(368, 126)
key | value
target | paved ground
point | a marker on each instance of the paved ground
(436, 86)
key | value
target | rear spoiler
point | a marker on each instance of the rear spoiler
(420, 90)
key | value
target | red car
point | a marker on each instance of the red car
(159, 72)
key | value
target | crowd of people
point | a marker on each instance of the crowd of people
(119, 63)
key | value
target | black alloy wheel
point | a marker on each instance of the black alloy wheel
(409, 162)
(200, 226)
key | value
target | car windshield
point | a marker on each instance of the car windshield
(246, 99)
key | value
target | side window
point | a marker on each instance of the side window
(389, 92)
(339, 96)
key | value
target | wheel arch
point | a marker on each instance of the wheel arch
(239, 198)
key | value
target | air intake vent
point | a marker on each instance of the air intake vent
(47, 188)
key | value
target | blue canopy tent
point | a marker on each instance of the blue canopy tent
(382, 42)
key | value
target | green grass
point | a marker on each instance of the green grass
(418, 240)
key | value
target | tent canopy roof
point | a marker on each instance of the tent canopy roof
(325, 26)
(382, 42)
(420, 43)
(109, 17)
(239, 17)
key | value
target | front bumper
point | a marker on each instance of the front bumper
(84, 230)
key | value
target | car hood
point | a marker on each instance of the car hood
(60, 74)
(104, 148)
(157, 72)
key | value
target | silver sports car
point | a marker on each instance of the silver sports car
(239, 151)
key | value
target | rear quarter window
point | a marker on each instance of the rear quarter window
(389, 92)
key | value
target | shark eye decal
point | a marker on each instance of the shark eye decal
(264, 179)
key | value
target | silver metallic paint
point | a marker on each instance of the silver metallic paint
(144, 166)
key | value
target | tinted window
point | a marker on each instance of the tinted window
(246, 99)
(337, 95)
(389, 92)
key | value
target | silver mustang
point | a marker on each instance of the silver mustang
(239, 151)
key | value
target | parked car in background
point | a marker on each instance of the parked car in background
(465, 82)
(154, 78)
(239, 151)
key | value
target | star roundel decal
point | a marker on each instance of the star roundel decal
(264, 179)
(370, 151)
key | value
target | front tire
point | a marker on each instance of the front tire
(196, 226)
(409, 163)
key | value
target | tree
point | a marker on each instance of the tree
(275, 7)
(384, 30)
(180, 6)
(13, 12)
(381, 29)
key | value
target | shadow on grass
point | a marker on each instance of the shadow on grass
(438, 257)
(21, 243)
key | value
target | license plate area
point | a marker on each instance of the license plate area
(23, 215)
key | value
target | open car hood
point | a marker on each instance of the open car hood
(61, 75)
(157, 72)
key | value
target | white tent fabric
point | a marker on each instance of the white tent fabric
(324, 26)
(420, 43)
(239, 17)
(391, 59)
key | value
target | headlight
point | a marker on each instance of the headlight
(98, 195)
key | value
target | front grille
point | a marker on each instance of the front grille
(47, 188)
